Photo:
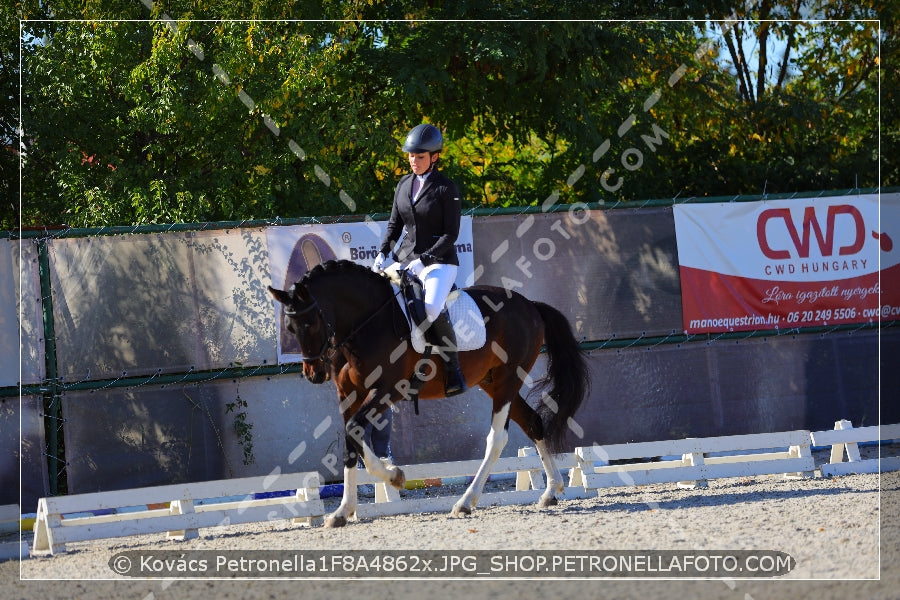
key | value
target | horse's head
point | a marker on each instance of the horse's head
(304, 319)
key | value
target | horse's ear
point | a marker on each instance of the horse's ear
(301, 293)
(280, 295)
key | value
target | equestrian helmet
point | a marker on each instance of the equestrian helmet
(424, 138)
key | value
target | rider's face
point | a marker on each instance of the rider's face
(420, 162)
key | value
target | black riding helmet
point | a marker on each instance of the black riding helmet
(424, 138)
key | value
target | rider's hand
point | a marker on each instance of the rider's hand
(379, 265)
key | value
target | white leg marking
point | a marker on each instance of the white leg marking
(496, 441)
(555, 482)
(391, 474)
(374, 465)
(347, 508)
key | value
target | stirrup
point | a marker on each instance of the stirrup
(455, 383)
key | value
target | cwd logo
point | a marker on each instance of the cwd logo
(884, 240)
(851, 229)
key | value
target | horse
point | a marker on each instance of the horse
(350, 330)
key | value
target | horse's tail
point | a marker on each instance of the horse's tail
(567, 376)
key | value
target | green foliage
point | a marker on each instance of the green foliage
(242, 428)
(799, 114)
(189, 116)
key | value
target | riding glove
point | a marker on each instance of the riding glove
(381, 263)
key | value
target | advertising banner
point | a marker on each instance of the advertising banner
(294, 250)
(782, 264)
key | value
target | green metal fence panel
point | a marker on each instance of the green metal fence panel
(160, 308)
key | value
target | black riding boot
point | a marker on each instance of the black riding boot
(443, 338)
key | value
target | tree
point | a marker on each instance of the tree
(784, 105)
(9, 118)
(182, 118)
(194, 120)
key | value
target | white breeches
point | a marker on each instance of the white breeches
(437, 279)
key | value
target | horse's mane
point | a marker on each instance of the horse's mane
(334, 267)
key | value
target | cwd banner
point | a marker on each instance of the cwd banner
(296, 249)
(789, 263)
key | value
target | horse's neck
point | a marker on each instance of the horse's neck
(351, 299)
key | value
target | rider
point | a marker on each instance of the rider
(429, 206)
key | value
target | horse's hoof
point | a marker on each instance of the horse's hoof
(334, 522)
(398, 480)
(460, 510)
(545, 502)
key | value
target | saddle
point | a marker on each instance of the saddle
(464, 313)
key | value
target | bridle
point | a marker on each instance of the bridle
(329, 330)
(328, 344)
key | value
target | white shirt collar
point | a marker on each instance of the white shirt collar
(421, 184)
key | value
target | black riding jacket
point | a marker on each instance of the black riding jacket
(432, 223)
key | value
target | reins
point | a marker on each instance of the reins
(327, 344)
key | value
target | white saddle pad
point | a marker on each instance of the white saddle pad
(468, 323)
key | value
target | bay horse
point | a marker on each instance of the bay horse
(346, 320)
